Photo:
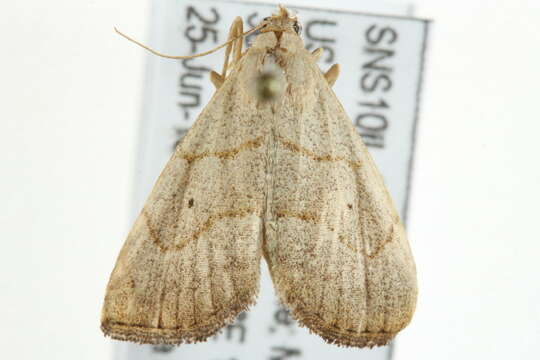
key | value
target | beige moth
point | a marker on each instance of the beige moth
(272, 168)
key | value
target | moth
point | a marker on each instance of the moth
(272, 168)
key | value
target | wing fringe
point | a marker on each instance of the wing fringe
(177, 336)
(331, 333)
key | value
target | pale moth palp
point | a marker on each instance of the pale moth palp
(272, 168)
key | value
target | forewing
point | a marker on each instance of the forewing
(335, 246)
(191, 261)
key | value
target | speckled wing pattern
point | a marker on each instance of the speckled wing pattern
(191, 262)
(336, 248)
(287, 179)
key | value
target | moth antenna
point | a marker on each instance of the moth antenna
(194, 55)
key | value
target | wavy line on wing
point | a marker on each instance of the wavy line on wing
(291, 146)
(224, 154)
(206, 226)
(345, 240)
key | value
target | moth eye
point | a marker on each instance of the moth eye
(297, 28)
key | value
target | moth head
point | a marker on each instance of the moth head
(283, 21)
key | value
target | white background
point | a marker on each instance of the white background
(70, 95)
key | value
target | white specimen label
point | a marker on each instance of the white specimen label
(381, 59)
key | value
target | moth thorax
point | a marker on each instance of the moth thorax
(268, 86)
(270, 82)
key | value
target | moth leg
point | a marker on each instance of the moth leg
(317, 53)
(236, 46)
(240, 41)
(332, 74)
(235, 30)
(216, 79)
